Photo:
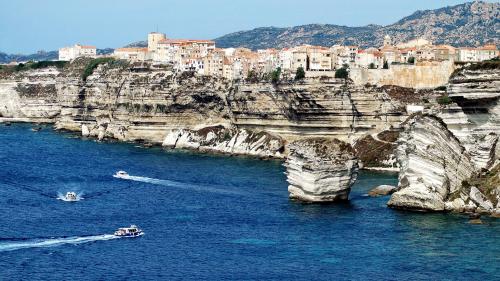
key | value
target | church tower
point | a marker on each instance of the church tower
(387, 40)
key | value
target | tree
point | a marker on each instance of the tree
(276, 75)
(411, 60)
(253, 76)
(342, 73)
(386, 65)
(300, 74)
(371, 66)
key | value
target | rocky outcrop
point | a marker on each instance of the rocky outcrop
(226, 140)
(474, 117)
(315, 108)
(31, 97)
(147, 103)
(382, 190)
(320, 170)
(377, 150)
(433, 165)
(447, 161)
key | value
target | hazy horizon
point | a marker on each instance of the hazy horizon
(30, 26)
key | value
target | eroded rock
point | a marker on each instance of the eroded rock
(226, 140)
(320, 170)
(382, 190)
(433, 165)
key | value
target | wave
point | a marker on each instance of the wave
(181, 185)
(53, 242)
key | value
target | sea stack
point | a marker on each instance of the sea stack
(320, 170)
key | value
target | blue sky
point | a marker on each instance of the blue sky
(30, 25)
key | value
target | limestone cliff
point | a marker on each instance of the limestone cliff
(320, 170)
(226, 140)
(433, 165)
(31, 96)
(147, 103)
(315, 108)
(445, 158)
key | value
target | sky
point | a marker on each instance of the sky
(27, 26)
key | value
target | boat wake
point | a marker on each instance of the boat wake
(52, 242)
(180, 185)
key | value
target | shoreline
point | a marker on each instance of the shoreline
(147, 144)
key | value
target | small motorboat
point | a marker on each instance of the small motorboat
(36, 129)
(132, 231)
(71, 197)
(121, 174)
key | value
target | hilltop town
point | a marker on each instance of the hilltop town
(372, 65)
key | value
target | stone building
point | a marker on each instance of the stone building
(487, 52)
(73, 52)
(299, 59)
(214, 63)
(320, 58)
(133, 54)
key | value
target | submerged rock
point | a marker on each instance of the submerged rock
(476, 221)
(320, 170)
(382, 190)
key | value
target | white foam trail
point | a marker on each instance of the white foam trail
(178, 184)
(62, 197)
(12, 246)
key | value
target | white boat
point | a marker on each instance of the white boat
(121, 174)
(71, 196)
(132, 231)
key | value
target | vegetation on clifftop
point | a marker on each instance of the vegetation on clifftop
(493, 64)
(93, 64)
(33, 65)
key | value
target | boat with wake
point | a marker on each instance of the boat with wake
(70, 197)
(121, 175)
(130, 232)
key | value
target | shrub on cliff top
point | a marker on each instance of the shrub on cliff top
(342, 73)
(38, 65)
(443, 100)
(253, 76)
(93, 64)
(300, 74)
(276, 75)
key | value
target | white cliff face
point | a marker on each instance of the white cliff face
(30, 98)
(320, 170)
(433, 165)
(450, 161)
(226, 140)
(474, 118)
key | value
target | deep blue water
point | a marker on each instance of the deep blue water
(210, 218)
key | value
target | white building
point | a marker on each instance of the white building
(285, 59)
(73, 52)
(415, 43)
(368, 58)
(320, 58)
(487, 52)
(467, 54)
(175, 50)
(133, 54)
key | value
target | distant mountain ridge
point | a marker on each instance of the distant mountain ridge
(41, 56)
(468, 24)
